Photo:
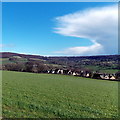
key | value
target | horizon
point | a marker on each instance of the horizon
(52, 29)
(56, 55)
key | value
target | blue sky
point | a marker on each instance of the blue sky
(60, 0)
(38, 28)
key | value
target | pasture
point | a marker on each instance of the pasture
(30, 95)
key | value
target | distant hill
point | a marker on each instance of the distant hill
(103, 63)
(98, 57)
(10, 54)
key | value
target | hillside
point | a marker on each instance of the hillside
(105, 63)
(30, 95)
(103, 57)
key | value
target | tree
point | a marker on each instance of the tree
(29, 66)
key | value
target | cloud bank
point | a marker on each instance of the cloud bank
(99, 25)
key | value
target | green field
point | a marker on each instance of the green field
(30, 95)
(6, 61)
(101, 69)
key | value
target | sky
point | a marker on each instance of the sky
(60, 29)
(60, 0)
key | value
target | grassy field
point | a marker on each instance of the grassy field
(101, 69)
(6, 61)
(30, 95)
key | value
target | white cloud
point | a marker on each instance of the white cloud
(99, 25)
(95, 48)
(1, 45)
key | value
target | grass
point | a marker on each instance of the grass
(101, 69)
(30, 95)
(109, 71)
(37, 59)
(6, 61)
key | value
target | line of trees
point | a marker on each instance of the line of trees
(36, 67)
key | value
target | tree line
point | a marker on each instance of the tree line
(40, 67)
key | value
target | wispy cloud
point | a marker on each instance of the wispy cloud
(1, 45)
(7, 45)
(99, 25)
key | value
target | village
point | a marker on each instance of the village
(80, 73)
(87, 74)
(74, 66)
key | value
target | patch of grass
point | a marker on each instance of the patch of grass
(37, 59)
(6, 60)
(30, 95)
(110, 71)
(101, 69)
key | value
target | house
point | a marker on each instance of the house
(74, 73)
(50, 71)
(53, 71)
(65, 71)
(112, 78)
(107, 77)
(87, 75)
(56, 71)
(97, 75)
(60, 71)
(82, 73)
(69, 72)
(77, 74)
(102, 76)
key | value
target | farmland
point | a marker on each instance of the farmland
(107, 63)
(31, 95)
